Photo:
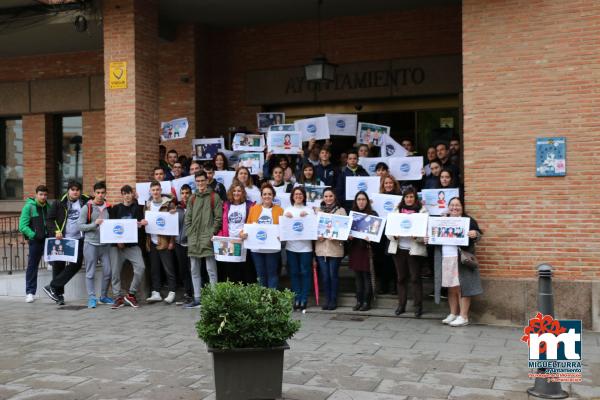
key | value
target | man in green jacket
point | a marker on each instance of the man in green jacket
(32, 225)
(202, 221)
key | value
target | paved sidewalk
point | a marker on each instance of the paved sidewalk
(153, 353)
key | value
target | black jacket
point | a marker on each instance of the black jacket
(57, 215)
(133, 211)
(341, 184)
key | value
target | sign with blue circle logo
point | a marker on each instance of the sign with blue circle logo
(362, 186)
(160, 222)
(405, 168)
(311, 128)
(220, 180)
(405, 224)
(261, 235)
(118, 230)
(372, 168)
(340, 123)
(388, 206)
(298, 226)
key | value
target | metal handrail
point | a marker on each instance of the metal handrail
(14, 249)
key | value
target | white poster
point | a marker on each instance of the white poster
(408, 225)
(406, 168)
(314, 195)
(284, 142)
(162, 223)
(448, 230)
(228, 249)
(366, 226)
(179, 182)
(371, 133)
(262, 237)
(333, 226)
(265, 120)
(225, 178)
(233, 157)
(142, 189)
(282, 128)
(300, 228)
(248, 142)
(205, 149)
(313, 128)
(355, 184)
(61, 250)
(436, 200)
(391, 148)
(282, 200)
(119, 231)
(253, 194)
(384, 204)
(370, 163)
(174, 129)
(342, 124)
(253, 161)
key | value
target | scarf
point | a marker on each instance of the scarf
(329, 209)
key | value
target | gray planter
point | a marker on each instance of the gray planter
(242, 374)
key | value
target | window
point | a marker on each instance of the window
(69, 155)
(11, 159)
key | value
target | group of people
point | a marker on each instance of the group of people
(214, 210)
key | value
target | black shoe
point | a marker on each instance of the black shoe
(296, 306)
(302, 306)
(61, 300)
(365, 307)
(418, 312)
(332, 306)
(400, 310)
(357, 307)
(325, 307)
(50, 293)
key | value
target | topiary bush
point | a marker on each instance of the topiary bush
(238, 316)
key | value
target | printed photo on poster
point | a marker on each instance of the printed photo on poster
(61, 250)
(301, 228)
(179, 182)
(550, 156)
(370, 163)
(282, 128)
(119, 231)
(366, 226)
(436, 200)
(406, 225)
(313, 128)
(406, 168)
(371, 133)
(162, 223)
(448, 230)
(265, 120)
(384, 204)
(284, 142)
(253, 161)
(342, 124)
(355, 184)
(333, 226)
(225, 178)
(314, 195)
(233, 157)
(228, 249)
(248, 142)
(262, 237)
(174, 129)
(205, 149)
(142, 190)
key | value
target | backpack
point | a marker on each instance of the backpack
(212, 200)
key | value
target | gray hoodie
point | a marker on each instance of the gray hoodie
(90, 230)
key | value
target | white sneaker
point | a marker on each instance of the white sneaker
(459, 321)
(29, 298)
(449, 318)
(170, 298)
(155, 297)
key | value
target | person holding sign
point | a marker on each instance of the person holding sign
(266, 262)
(351, 169)
(330, 252)
(128, 209)
(360, 258)
(202, 221)
(299, 252)
(406, 251)
(235, 212)
(160, 247)
(462, 282)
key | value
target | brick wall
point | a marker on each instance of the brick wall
(420, 32)
(531, 70)
(37, 154)
(93, 149)
(51, 66)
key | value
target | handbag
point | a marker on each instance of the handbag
(468, 259)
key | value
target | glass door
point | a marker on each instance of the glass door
(69, 157)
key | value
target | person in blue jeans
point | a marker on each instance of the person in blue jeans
(330, 251)
(32, 224)
(299, 252)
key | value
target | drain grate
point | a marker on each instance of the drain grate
(345, 317)
(72, 308)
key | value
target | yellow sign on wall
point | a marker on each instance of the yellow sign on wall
(118, 75)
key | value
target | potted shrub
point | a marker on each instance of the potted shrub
(246, 329)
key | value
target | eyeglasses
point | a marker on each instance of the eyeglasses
(200, 180)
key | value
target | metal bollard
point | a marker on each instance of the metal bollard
(542, 388)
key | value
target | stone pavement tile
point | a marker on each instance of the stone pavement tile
(155, 364)
(464, 393)
(468, 357)
(312, 356)
(498, 350)
(393, 373)
(348, 348)
(405, 355)
(368, 332)
(291, 391)
(446, 347)
(513, 384)
(503, 332)
(9, 375)
(54, 367)
(42, 354)
(432, 365)
(394, 342)
(343, 394)
(297, 377)
(167, 391)
(325, 368)
(454, 379)
(301, 345)
(495, 370)
(106, 388)
(157, 378)
(478, 341)
(322, 338)
(423, 337)
(584, 391)
(366, 324)
(344, 382)
(378, 360)
(11, 389)
(106, 370)
(48, 394)
(49, 381)
(413, 388)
